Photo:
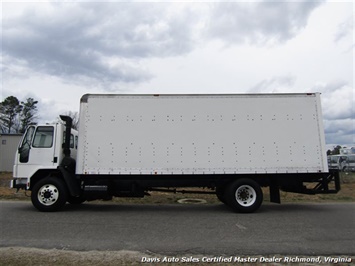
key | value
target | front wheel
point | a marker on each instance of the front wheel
(49, 194)
(76, 200)
(244, 195)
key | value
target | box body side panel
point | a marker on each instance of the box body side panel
(201, 134)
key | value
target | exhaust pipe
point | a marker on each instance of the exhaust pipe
(68, 124)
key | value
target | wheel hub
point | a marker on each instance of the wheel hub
(48, 194)
(245, 195)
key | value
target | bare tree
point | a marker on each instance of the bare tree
(75, 117)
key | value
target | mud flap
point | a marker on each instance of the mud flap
(274, 193)
(71, 181)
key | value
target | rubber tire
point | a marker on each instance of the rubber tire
(231, 200)
(76, 200)
(61, 189)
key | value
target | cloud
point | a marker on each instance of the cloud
(337, 99)
(104, 43)
(95, 42)
(344, 29)
(275, 84)
(340, 131)
(338, 111)
(259, 23)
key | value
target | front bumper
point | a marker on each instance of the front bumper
(20, 183)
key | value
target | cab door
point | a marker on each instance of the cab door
(36, 150)
(42, 150)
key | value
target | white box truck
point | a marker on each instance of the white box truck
(129, 145)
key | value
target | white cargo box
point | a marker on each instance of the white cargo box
(201, 134)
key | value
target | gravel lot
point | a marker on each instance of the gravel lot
(12, 256)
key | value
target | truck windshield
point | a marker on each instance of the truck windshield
(334, 159)
(24, 150)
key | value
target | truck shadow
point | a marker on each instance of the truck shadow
(108, 207)
(201, 208)
(293, 207)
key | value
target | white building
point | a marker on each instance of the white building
(8, 145)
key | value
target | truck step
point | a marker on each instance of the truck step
(95, 188)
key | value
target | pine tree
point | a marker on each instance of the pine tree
(10, 108)
(28, 114)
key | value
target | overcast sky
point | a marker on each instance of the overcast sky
(56, 52)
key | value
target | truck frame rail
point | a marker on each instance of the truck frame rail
(329, 183)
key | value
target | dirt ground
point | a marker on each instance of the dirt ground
(17, 256)
(14, 256)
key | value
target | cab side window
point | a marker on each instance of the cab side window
(43, 137)
(76, 142)
(71, 140)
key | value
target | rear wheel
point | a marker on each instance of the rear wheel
(244, 195)
(49, 194)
